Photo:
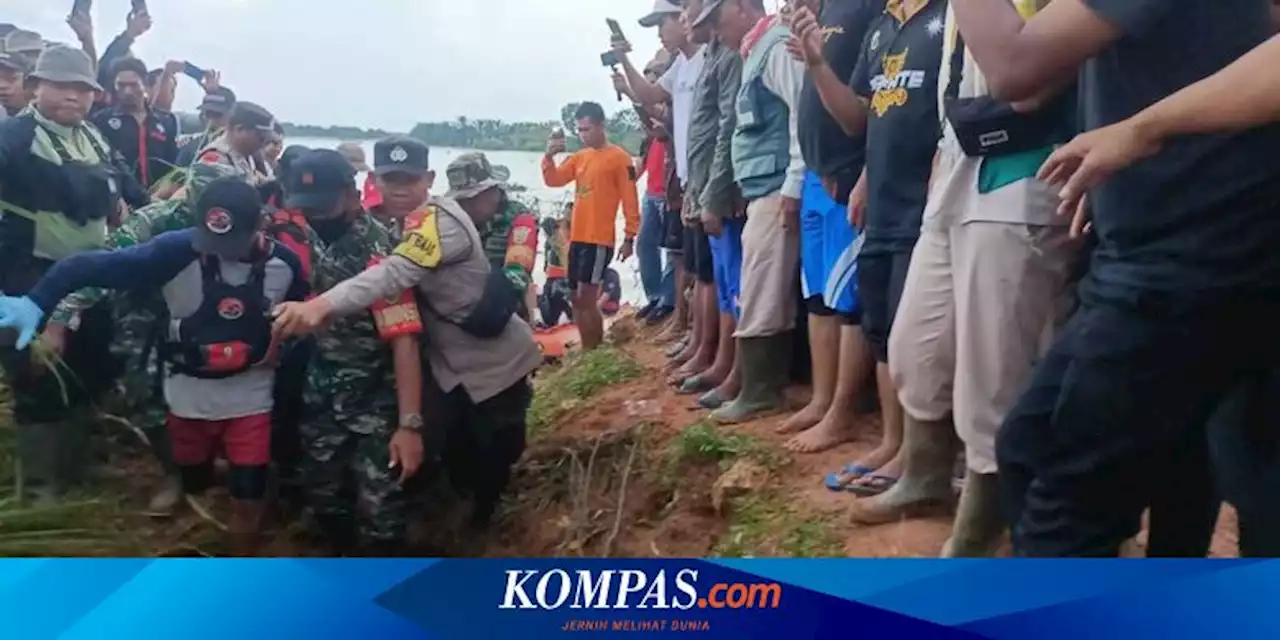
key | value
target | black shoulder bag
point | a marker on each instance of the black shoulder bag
(985, 126)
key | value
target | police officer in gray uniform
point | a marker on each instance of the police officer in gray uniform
(481, 353)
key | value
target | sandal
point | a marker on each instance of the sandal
(851, 472)
(876, 485)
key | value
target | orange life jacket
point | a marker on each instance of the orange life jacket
(290, 228)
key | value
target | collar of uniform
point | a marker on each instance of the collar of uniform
(904, 10)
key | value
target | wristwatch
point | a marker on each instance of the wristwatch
(411, 421)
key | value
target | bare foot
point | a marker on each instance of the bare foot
(696, 365)
(805, 418)
(831, 432)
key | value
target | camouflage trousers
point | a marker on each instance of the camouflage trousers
(347, 478)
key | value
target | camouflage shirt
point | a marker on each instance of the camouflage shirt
(353, 374)
(496, 235)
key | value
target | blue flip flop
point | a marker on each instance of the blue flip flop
(832, 481)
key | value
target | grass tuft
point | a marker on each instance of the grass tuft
(580, 377)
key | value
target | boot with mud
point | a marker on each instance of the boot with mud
(979, 524)
(764, 379)
(244, 525)
(928, 454)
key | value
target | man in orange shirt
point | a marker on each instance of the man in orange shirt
(604, 177)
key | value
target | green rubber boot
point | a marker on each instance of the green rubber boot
(765, 363)
(979, 524)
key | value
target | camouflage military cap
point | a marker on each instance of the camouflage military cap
(471, 175)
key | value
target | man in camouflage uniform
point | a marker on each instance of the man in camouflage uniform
(136, 340)
(507, 227)
(362, 436)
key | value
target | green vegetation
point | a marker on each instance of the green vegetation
(623, 128)
(341, 133)
(766, 524)
(558, 391)
(704, 442)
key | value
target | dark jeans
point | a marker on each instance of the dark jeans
(1113, 421)
(480, 441)
(1246, 452)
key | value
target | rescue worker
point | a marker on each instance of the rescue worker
(219, 280)
(507, 227)
(250, 128)
(137, 316)
(60, 185)
(481, 354)
(554, 300)
(13, 91)
(147, 137)
(215, 111)
(363, 437)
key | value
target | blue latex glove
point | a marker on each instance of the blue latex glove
(21, 314)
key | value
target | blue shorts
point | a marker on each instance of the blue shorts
(829, 248)
(726, 258)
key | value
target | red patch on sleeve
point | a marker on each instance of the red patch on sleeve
(210, 157)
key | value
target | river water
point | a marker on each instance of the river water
(526, 170)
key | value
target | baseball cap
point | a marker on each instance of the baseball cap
(471, 175)
(354, 153)
(218, 101)
(661, 9)
(317, 180)
(708, 10)
(290, 155)
(229, 212)
(400, 154)
(252, 116)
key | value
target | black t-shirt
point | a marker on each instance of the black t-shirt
(898, 72)
(150, 148)
(1203, 215)
(827, 150)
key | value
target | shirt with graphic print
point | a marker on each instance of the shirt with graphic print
(827, 150)
(897, 73)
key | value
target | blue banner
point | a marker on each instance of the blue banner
(386, 599)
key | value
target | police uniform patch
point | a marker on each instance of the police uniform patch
(520, 235)
(421, 245)
(114, 123)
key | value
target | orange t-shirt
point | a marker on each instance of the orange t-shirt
(604, 179)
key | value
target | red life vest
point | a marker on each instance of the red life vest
(290, 229)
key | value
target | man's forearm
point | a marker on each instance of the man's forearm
(387, 278)
(408, 367)
(1251, 82)
(846, 107)
(163, 99)
(1022, 59)
(642, 90)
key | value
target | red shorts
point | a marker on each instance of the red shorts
(246, 441)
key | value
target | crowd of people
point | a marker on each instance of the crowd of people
(900, 183)
(199, 264)
(1032, 233)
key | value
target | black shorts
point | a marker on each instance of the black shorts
(587, 263)
(697, 255)
(881, 278)
(672, 229)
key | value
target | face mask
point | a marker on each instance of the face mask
(330, 229)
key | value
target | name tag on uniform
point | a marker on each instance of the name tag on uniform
(421, 245)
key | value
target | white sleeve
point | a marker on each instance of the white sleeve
(668, 79)
(784, 76)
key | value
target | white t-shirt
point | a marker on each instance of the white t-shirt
(680, 81)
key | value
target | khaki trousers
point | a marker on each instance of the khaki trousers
(770, 269)
(982, 300)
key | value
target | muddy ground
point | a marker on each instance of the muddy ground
(620, 465)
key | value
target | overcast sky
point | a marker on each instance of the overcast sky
(377, 63)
